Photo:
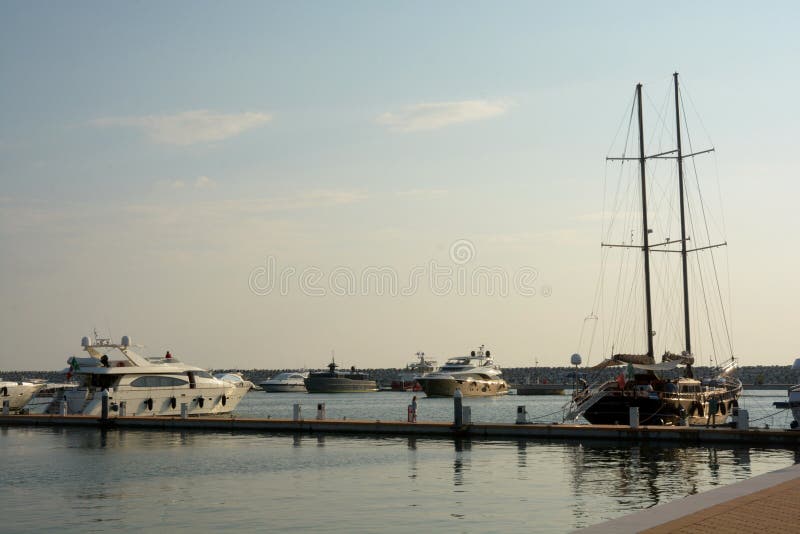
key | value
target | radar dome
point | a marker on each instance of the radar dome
(85, 342)
(575, 359)
(126, 341)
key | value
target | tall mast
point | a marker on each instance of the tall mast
(683, 221)
(645, 229)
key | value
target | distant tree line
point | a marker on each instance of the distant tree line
(750, 375)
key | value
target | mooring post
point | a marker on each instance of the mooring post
(104, 400)
(184, 410)
(458, 410)
(6, 407)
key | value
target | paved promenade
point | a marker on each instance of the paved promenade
(763, 504)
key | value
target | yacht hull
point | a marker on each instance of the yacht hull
(283, 388)
(339, 385)
(156, 401)
(18, 394)
(614, 409)
(469, 387)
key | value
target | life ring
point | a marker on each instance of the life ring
(224, 400)
(149, 403)
(200, 401)
(173, 402)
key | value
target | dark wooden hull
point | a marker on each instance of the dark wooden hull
(614, 409)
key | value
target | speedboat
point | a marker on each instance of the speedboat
(285, 383)
(476, 375)
(18, 394)
(333, 381)
(140, 386)
(407, 379)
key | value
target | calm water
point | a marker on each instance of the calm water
(80, 480)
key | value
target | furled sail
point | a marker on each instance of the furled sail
(643, 359)
(683, 358)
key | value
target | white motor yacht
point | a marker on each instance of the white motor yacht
(139, 386)
(285, 383)
(18, 394)
(476, 375)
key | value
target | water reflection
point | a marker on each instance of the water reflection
(522, 454)
(461, 461)
(642, 476)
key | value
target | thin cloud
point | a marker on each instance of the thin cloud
(204, 182)
(436, 115)
(189, 127)
(423, 193)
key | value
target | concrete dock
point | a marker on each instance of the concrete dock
(609, 433)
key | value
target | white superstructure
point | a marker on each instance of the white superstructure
(139, 386)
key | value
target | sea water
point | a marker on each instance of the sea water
(87, 480)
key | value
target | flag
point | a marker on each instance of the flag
(621, 381)
(73, 366)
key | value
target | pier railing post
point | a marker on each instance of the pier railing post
(296, 412)
(320, 411)
(184, 410)
(458, 409)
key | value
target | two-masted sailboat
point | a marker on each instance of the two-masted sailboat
(643, 382)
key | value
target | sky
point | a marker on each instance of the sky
(265, 184)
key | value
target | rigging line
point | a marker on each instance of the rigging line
(619, 128)
(713, 260)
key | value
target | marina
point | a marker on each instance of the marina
(374, 267)
(544, 477)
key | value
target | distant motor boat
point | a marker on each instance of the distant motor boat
(18, 394)
(333, 381)
(285, 383)
(407, 379)
(140, 386)
(476, 375)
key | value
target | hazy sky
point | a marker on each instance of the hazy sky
(231, 180)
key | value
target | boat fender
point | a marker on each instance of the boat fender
(722, 408)
(224, 400)
(149, 403)
(200, 401)
(173, 402)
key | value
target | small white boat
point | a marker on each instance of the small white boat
(18, 394)
(139, 386)
(285, 383)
